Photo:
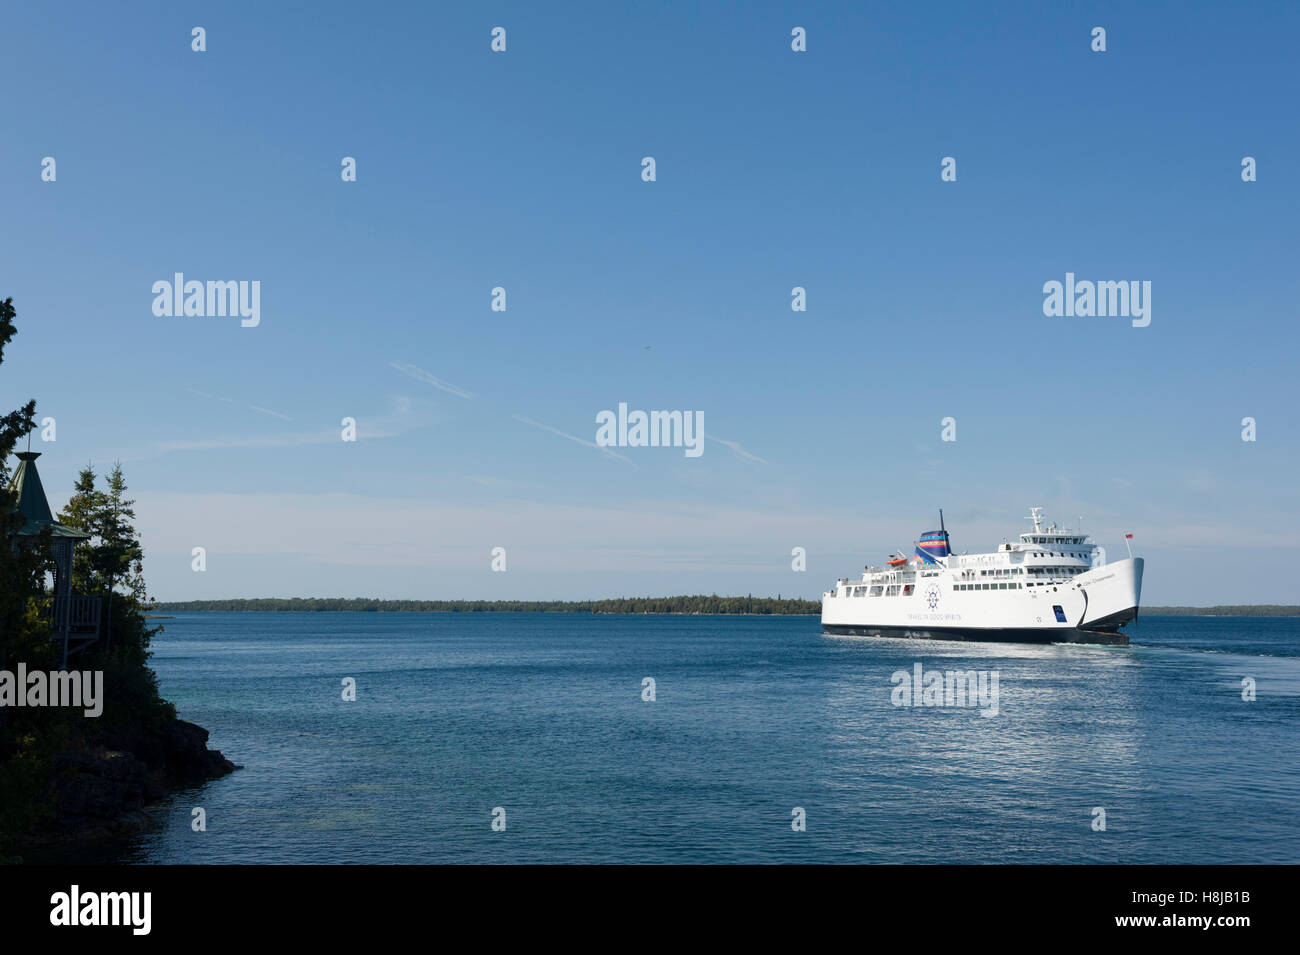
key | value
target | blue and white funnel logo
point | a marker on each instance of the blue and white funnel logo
(932, 596)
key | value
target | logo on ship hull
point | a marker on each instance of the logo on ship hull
(932, 596)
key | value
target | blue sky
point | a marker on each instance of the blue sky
(775, 169)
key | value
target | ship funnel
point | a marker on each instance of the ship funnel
(932, 545)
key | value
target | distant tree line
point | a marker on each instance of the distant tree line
(696, 604)
(1235, 610)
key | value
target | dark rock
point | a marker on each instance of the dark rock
(101, 792)
(187, 759)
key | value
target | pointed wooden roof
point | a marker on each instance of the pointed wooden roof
(32, 503)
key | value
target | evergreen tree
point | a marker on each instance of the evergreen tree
(80, 512)
(111, 563)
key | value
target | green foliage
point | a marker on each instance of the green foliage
(697, 604)
(111, 564)
(112, 558)
(22, 783)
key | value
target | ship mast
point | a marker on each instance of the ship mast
(1036, 515)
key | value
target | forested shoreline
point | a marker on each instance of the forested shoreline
(699, 604)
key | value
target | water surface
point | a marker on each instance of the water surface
(542, 715)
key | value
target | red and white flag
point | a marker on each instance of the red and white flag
(1128, 537)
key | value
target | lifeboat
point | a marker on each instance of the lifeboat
(897, 561)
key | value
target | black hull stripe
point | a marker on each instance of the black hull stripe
(981, 635)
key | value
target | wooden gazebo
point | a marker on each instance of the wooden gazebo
(74, 619)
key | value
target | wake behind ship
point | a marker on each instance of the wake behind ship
(1050, 586)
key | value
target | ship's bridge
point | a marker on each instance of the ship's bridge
(1045, 554)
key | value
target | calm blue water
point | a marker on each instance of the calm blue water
(541, 714)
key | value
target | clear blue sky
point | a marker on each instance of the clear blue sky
(775, 169)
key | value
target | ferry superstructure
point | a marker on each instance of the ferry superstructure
(1049, 586)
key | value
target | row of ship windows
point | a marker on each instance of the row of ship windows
(893, 591)
(890, 591)
(1032, 571)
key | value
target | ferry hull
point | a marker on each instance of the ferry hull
(1089, 608)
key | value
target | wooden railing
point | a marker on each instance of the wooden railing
(72, 613)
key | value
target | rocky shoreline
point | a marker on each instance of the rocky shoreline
(105, 792)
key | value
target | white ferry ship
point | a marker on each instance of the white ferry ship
(1050, 586)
